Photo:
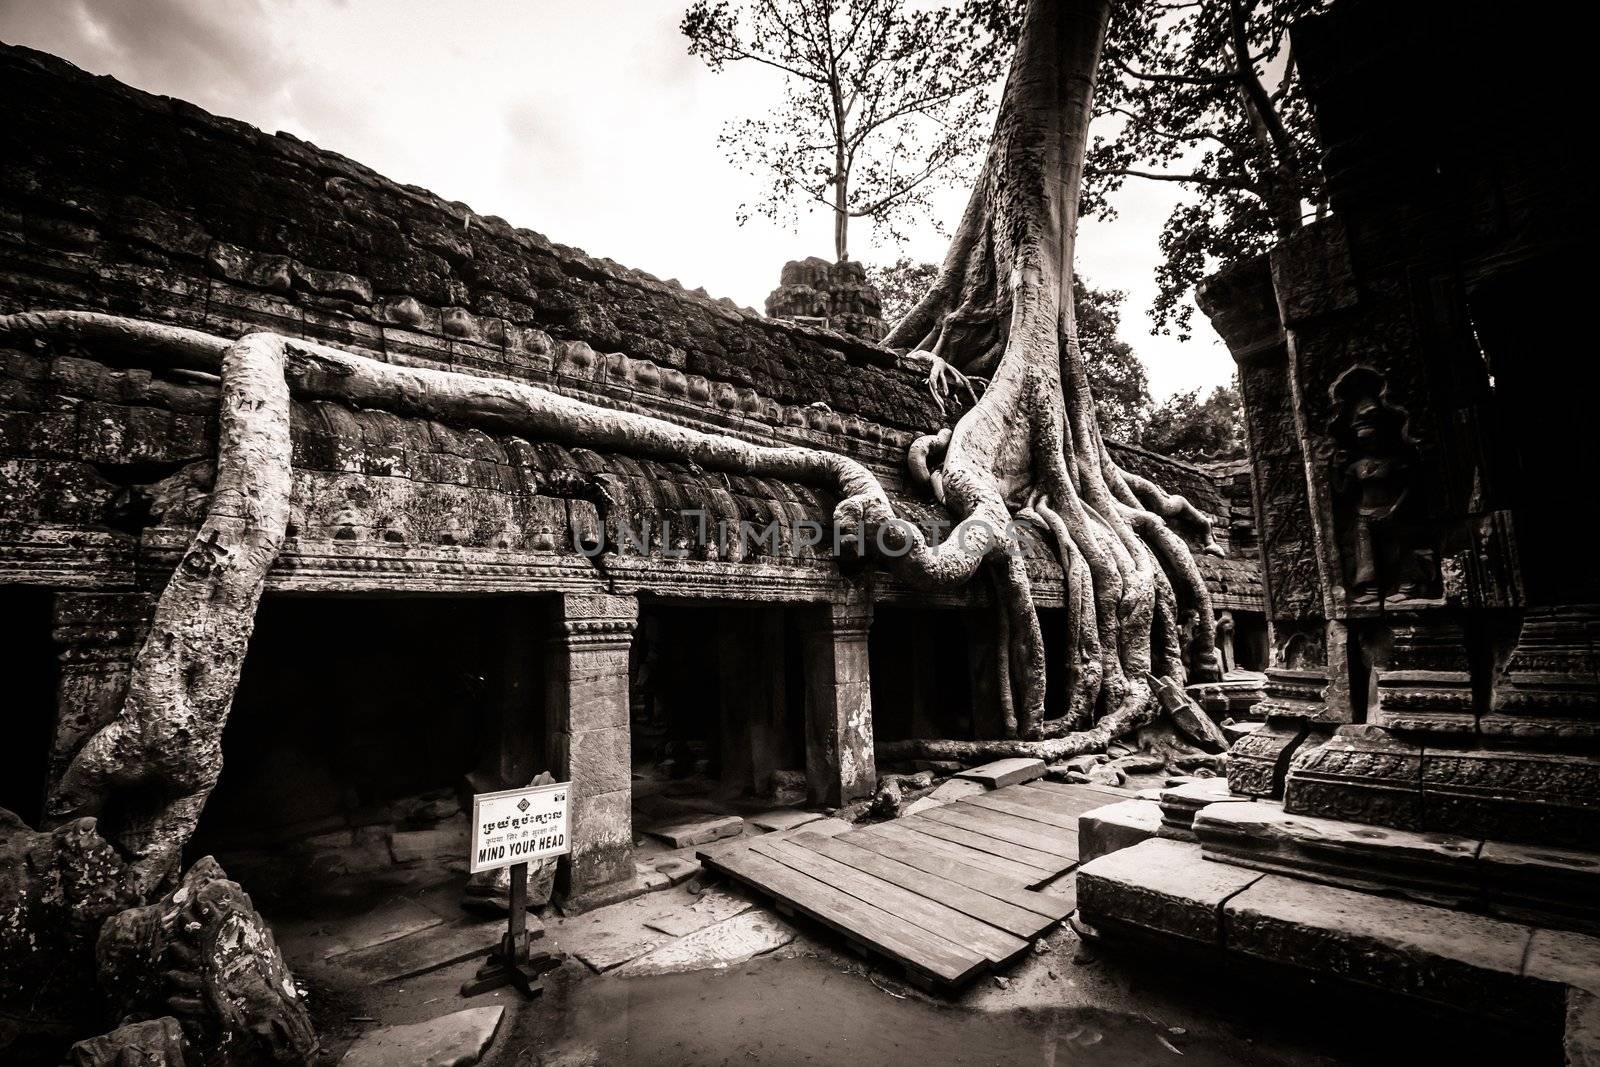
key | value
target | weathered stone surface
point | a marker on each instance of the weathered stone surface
(721, 944)
(688, 832)
(1468, 962)
(387, 922)
(1004, 772)
(1361, 773)
(714, 906)
(1565, 956)
(56, 890)
(956, 789)
(1428, 866)
(1160, 886)
(782, 819)
(203, 954)
(152, 1043)
(1258, 762)
(1581, 1042)
(1107, 774)
(456, 1040)
(1541, 885)
(1116, 826)
(1179, 803)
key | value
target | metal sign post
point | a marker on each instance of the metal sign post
(509, 829)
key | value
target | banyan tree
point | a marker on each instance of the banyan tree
(1027, 451)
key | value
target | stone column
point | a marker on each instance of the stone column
(840, 763)
(97, 635)
(586, 716)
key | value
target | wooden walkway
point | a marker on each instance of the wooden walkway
(947, 894)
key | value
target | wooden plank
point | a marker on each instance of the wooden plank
(1024, 809)
(938, 919)
(1088, 797)
(1047, 864)
(890, 935)
(1057, 801)
(1019, 922)
(1019, 875)
(922, 852)
(1007, 828)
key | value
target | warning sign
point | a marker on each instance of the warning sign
(519, 826)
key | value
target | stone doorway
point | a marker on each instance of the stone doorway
(356, 723)
(718, 698)
(30, 669)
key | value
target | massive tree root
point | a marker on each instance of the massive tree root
(1029, 449)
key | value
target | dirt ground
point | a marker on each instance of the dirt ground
(803, 998)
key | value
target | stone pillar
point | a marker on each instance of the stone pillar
(840, 763)
(97, 635)
(588, 743)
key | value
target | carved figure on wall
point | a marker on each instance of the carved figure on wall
(1225, 628)
(1373, 469)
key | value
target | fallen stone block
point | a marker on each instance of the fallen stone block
(782, 819)
(721, 944)
(678, 869)
(1116, 826)
(1160, 886)
(1004, 772)
(957, 789)
(714, 906)
(920, 805)
(690, 832)
(1180, 802)
(1105, 774)
(456, 1040)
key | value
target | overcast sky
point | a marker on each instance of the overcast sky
(583, 119)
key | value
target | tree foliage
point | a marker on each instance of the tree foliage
(883, 101)
(1204, 93)
(1190, 428)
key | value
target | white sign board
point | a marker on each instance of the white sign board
(519, 826)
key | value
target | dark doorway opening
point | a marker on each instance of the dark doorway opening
(354, 727)
(718, 696)
(30, 670)
(921, 673)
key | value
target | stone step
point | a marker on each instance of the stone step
(1167, 889)
(1179, 803)
(1545, 886)
(1116, 826)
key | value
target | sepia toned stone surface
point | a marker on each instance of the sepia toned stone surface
(1124, 824)
(1163, 887)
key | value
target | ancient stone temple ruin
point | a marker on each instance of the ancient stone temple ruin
(836, 295)
(452, 602)
(1432, 705)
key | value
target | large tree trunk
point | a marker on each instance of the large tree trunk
(1029, 448)
(1031, 445)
